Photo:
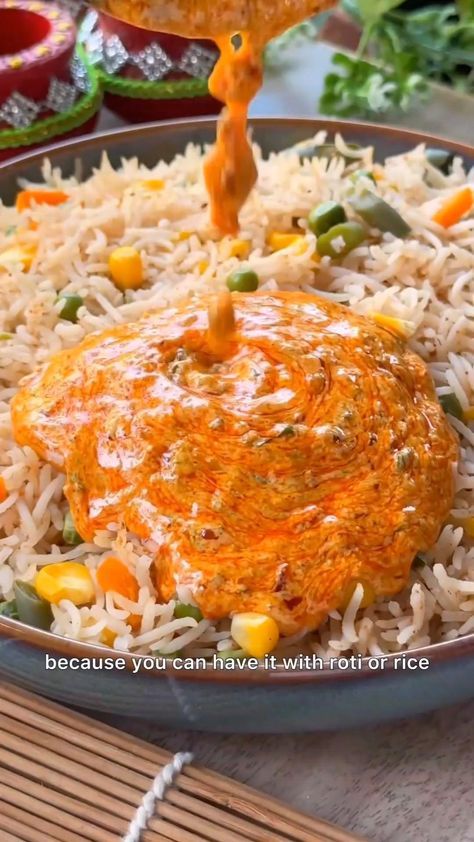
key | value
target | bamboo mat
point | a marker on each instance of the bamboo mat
(66, 778)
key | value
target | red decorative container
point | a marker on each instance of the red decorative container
(46, 90)
(151, 76)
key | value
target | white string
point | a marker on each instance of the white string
(157, 792)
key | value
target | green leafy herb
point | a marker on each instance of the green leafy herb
(399, 52)
(372, 10)
(465, 9)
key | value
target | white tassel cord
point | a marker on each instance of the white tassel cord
(157, 792)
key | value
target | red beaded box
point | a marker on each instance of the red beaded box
(46, 89)
(148, 75)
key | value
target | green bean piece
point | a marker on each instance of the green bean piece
(442, 159)
(362, 174)
(379, 214)
(181, 610)
(451, 405)
(325, 216)
(242, 280)
(71, 303)
(9, 609)
(32, 610)
(70, 534)
(347, 235)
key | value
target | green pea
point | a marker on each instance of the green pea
(242, 280)
(70, 533)
(32, 610)
(451, 405)
(442, 159)
(9, 609)
(71, 303)
(183, 610)
(379, 214)
(362, 174)
(351, 233)
(325, 216)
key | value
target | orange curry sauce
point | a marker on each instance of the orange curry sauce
(241, 29)
(230, 171)
(311, 455)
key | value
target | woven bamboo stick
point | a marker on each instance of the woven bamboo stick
(8, 837)
(63, 774)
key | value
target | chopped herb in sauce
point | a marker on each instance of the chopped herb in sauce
(404, 458)
(287, 432)
(216, 424)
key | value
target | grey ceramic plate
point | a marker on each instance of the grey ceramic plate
(243, 701)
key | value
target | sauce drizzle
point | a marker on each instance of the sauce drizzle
(311, 455)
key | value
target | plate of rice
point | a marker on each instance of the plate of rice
(126, 233)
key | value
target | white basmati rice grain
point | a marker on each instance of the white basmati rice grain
(427, 280)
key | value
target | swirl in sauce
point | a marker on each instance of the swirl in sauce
(311, 455)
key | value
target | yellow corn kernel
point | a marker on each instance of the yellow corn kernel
(467, 524)
(316, 257)
(367, 598)
(469, 413)
(400, 327)
(256, 633)
(18, 254)
(126, 268)
(152, 184)
(184, 235)
(65, 580)
(277, 241)
(108, 637)
(203, 266)
(377, 173)
(240, 249)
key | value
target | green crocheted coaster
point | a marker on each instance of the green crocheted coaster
(144, 89)
(57, 124)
